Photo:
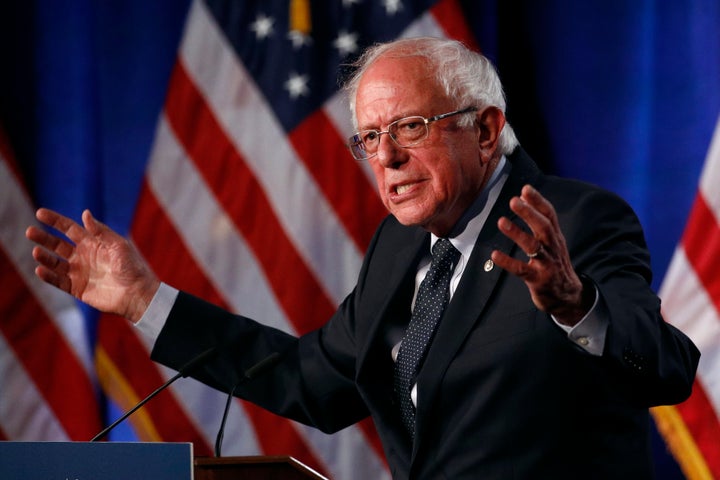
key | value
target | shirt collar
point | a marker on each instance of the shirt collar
(466, 231)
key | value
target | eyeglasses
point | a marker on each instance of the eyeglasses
(405, 132)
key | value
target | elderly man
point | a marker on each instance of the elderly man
(502, 325)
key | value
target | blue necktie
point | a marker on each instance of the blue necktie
(432, 298)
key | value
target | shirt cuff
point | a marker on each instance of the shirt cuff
(154, 318)
(590, 332)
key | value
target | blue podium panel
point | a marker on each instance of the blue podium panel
(95, 461)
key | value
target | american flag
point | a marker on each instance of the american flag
(691, 301)
(252, 201)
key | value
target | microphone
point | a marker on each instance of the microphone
(251, 373)
(184, 371)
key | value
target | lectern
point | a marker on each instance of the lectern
(253, 468)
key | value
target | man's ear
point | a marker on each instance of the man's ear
(489, 122)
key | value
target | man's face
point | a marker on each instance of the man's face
(433, 183)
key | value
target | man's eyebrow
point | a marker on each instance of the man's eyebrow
(394, 118)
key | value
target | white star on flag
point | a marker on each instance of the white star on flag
(297, 85)
(346, 43)
(393, 6)
(298, 39)
(262, 26)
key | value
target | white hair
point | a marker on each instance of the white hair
(465, 76)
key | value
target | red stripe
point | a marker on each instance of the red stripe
(367, 426)
(173, 262)
(49, 360)
(339, 176)
(701, 242)
(702, 421)
(450, 17)
(238, 191)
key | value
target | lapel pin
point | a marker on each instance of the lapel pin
(489, 264)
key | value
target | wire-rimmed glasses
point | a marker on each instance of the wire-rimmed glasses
(405, 132)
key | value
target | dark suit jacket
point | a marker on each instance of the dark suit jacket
(503, 392)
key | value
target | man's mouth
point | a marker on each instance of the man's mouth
(402, 188)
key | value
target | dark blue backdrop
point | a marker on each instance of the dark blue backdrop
(622, 94)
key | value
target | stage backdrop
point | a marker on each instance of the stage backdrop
(211, 133)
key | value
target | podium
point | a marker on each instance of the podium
(138, 461)
(270, 467)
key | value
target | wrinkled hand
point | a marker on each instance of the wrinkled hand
(97, 266)
(554, 286)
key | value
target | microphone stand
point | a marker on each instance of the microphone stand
(183, 372)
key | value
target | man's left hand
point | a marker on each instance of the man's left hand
(554, 286)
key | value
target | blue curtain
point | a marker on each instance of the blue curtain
(621, 94)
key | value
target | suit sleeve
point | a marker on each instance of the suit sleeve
(653, 361)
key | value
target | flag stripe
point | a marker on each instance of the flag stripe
(205, 141)
(327, 158)
(701, 243)
(27, 416)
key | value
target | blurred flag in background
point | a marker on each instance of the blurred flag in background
(691, 301)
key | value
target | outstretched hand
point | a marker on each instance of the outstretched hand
(553, 283)
(97, 266)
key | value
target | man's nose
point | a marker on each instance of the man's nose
(389, 153)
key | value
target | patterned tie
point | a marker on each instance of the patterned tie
(432, 298)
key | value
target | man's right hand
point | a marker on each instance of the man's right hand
(97, 266)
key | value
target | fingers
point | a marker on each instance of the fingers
(527, 242)
(61, 223)
(537, 213)
(50, 242)
(516, 267)
(51, 269)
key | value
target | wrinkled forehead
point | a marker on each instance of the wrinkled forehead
(395, 86)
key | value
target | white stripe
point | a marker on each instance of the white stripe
(24, 415)
(424, 26)
(249, 122)
(687, 306)
(16, 214)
